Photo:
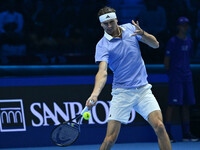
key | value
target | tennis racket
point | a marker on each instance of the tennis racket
(68, 132)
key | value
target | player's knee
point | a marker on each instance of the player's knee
(159, 128)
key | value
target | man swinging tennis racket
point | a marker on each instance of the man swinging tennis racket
(119, 48)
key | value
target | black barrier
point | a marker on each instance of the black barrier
(34, 99)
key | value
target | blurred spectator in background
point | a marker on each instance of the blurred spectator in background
(153, 20)
(177, 8)
(41, 39)
(181, 93)
(28, 8)
(67, 28)
(11, 33)
(54, 30)
(197, 54)
(89, 23)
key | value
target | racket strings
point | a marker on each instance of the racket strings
(65, 134)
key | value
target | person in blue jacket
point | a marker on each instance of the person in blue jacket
(181, 93)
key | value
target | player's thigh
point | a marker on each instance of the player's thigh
(113, 129)
(121, 105)
(147, 103)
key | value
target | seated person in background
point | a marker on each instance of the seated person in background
(11, 34)
(153, 20)
(43, 43)
(197, 55)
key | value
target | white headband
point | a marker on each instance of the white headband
(107, 16)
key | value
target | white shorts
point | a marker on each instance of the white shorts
(140, 99)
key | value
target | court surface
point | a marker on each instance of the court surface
(126, 146)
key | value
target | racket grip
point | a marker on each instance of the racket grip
(86, 108)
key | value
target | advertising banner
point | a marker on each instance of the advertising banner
(30, 107)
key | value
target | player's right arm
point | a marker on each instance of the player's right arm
(100, 81)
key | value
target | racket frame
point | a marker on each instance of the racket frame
(71, 121)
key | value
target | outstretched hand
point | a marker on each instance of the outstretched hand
(138, 30)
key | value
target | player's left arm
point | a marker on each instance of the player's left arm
(147, 38)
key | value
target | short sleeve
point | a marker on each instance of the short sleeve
(101, 54)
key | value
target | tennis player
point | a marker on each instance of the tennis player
(119, 48)
(181, 93)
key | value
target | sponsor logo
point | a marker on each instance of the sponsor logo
(12, 116)
(44, 116)
(107, 16)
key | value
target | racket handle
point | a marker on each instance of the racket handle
(86, 108)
